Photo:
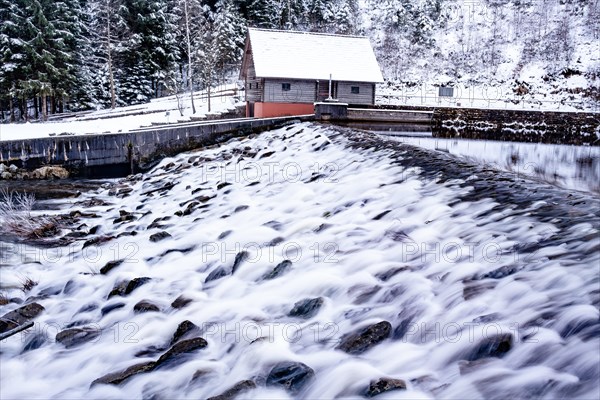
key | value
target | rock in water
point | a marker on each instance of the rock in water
(110, 266)
(306, 308)
(180, 302)
(384, 385)
(157, 237)
(20, 316)
(145, 306)
(111, 307)
(239, 259)
(183, 329)
(181, 348)
(289, 375)
(279, 270)
(366, 338)
(234, 391)
(116, 378)
(136, 283)
(495, 346)
(76, 336)
(216, 274)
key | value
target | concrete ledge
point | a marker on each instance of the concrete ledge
(118, 154)
(402, 116)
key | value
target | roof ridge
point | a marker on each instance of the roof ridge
(307, 33)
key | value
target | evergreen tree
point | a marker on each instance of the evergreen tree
(230, 33)
(14, 50)
(265, 14)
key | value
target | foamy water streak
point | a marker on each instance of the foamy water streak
(445, 274)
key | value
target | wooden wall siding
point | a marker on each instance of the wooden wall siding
(300, 91)
(254, 93)
(253, 84)
(323, 90)
(344, 93)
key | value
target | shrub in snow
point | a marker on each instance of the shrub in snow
(16, 217)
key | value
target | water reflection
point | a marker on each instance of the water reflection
(570, 167)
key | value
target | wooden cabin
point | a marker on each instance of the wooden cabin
(286, 72)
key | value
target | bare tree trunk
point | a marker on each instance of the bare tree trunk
(189, 51)
(208, 92)
(25, 110)
(44, 107)
(113, 97)
(35, 105)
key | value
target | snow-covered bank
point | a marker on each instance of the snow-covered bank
(485, 292)
(124, 119)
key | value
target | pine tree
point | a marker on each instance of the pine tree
(230, 32)
(66, 17)
(265, 14)
(14, 50)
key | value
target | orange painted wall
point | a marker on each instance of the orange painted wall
(267, 110)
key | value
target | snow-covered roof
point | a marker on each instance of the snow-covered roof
(304, 55)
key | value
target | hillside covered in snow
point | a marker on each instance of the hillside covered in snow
(78, 55)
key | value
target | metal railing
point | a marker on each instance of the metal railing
(475, 102)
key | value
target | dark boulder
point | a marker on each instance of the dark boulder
(181, 302)
(111, 307)
(495, 346)
(20, 316)
(110, 266)
(218, 273)
(239, 259)
(185, 328)
(279, 270)
(364, 339)
(236, 390)
(136, 283)
(384, 385)
(157, 237)
(306, 308)
(180, 349)
(290, 375)
(76, 336)
(145, 306)
(116, 378)
(118, 289)
(224, 234)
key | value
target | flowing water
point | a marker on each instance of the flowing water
(569, 167)
(454, 254)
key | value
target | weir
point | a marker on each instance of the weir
(120, 154)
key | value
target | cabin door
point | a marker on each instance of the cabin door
(250, 109)
(322, 90)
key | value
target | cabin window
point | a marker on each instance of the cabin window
(249, 86)
(355, 90)
(286, 87)
(445, 91)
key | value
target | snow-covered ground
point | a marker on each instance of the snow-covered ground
(500, 97)
(535, 55)
(459, 270)
(123, 119)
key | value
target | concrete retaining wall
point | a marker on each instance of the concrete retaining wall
(387, 115)
(578, 128)
(105, 155)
